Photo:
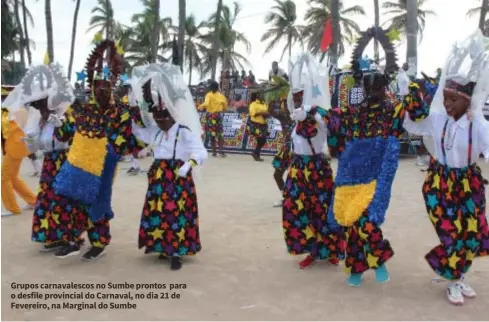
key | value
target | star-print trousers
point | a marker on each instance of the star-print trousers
(456, 204)
(366, 247)
(55, 217)
(307, 196)
(257, 130)
(169, 221)
(283, 158)
(213, 125)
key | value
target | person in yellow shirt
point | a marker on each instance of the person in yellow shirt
(257, 126)
(14, 151)
(215, 103)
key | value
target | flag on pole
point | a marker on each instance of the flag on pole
(327, 39)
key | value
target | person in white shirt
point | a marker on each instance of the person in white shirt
(453, 190)
(276, 71)
(403, 81)
(309, 185)
(169, 220)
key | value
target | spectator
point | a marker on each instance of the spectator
(403, 81)
(79, 93)
(251, 78)
(276, 71)
(240, 104)
(243, 75)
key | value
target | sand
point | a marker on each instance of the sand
(243, 271)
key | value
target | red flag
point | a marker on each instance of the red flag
(327, 36)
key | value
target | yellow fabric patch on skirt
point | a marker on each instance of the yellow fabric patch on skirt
(88, 154)
(351, 201)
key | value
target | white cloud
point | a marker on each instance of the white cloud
(441, 31)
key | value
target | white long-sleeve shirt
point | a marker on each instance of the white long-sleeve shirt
(301, 145)
(456, 137)
(45, 140)
(403, 83)
(189, 145)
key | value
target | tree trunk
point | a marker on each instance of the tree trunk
(156, 31)
(49, 29)
(377, 25)
(182, 16)
(412, 37)
(73, 38)
(335, 24)
(216, 42)
(26, 32)
(107, 22)
(21, 34)
(482, 18)
(190, 70)
(290, 47)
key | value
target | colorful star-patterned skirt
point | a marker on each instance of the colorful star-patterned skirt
(456, 205)
(307, 195)
(213, 125)
(282, 160)
(257, 130)
(56, 217)
(170, 222)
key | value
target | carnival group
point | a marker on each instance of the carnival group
(324, 218)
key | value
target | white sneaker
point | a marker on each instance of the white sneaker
(454, 294)
(466, 290)
(28, 207)
(278, 203)
(6, 213)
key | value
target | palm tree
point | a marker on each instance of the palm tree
(400, 11)
(216, 42)
(228, 39)
(336, 26)
(182, 17)
(317, 16)
(49, 29)
(155, 6)
(139, 45)
(9, 31)
(192, 46)
(27, 15)
(412, 33)
(283, 18)
(103, 18)
(21, 33)
(377, 25)
(73, 37)
(482, 11)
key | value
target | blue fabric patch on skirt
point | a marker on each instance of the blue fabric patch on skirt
(77, 184)
(363, 161)
(101, 207)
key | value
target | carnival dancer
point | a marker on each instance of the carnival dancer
(277, 108)
(14, 151)
(215, 103)
(366, 138)
(453, 190)
(101, 139)
(169, 220)
(309, 184)
(47, 94)
(257, 124)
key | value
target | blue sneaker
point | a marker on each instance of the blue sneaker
(355, 279)
(382, 274)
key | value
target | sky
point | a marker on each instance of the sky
(449, 25)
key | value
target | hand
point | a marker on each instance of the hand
(299, 114)
(184, 169)
(55, 120)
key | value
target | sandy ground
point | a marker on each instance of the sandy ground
(244, 271)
